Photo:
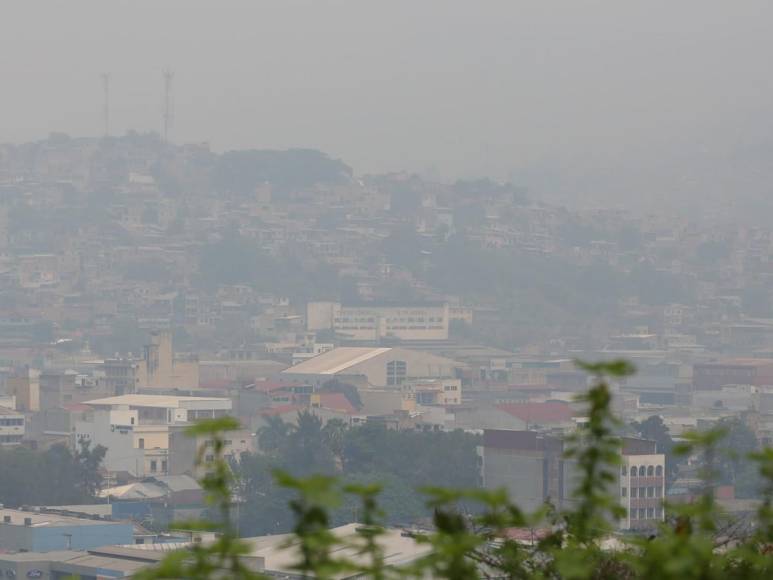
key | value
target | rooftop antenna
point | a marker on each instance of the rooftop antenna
(168, 114)
(106, 104)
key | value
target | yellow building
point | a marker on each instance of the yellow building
(26, 389)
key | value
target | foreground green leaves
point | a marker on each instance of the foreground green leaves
(482, 534)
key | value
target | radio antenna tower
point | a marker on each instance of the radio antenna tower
(106, 104)
(168, 113)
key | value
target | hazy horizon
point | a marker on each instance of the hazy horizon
(599, 97)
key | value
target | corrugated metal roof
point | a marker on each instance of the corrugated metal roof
(336, 360)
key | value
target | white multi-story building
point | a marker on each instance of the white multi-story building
(372, 322)
(135, 428)
(11, 426)
(642, 487)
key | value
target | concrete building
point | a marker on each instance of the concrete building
(58, 389)
(435, 391)
(532, 467)
(26, 388)
(40, 531)
(121, 375)
(135, 428)
(184, 449)
(12, 425)
(107, 562)
(373, 322)
(160, 366)
(529, 465)
(274, 558)
(642, 484)
(269, 555)
(741, 371)
(378, 367)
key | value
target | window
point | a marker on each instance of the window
(633, 471)
(659, 470)
(650, 513)
(163, 465)
(650, 471)
(623, 471)
(642, 492)
(209, 458)
(623, 491)
(650, 492)
(658, 491)
(153, 466)
(132, 420)
(633, 514)
(642, 471)
(141, 443)
(633, 491)
(396, 372)
(642, 513)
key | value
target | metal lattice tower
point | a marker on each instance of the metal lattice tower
(106, 103)
(168, 112)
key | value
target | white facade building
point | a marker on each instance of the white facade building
(135, 428)
(642, 489)
(372, 322)
(11, 426)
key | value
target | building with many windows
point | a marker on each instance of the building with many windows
(373, 322)
(642, 484)
(533, 467)
(12, 425)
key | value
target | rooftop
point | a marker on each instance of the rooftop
(336, 360)
(40, 519)
(280, 552)
(161, 401)
(542, 413)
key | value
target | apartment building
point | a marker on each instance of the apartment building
(136, 428)
(374, 321)
(533, 468)
(642, 484)
(12, 427)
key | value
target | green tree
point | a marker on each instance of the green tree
(476, 544)
(654, 429)
(89, 462)
(274, 434)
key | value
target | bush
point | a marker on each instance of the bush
(691, 544)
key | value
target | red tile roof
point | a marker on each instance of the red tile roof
(540, 413)
(336, 402)
(280, 410)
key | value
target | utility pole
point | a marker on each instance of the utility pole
(168, 113)
(106, 104)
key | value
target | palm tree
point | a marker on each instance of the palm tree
(273, 434)
(308, 430)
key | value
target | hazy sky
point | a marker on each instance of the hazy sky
(445, 86)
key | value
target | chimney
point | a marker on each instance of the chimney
(27, 521)
(6, 519)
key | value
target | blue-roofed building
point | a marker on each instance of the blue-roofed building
(43, 531)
